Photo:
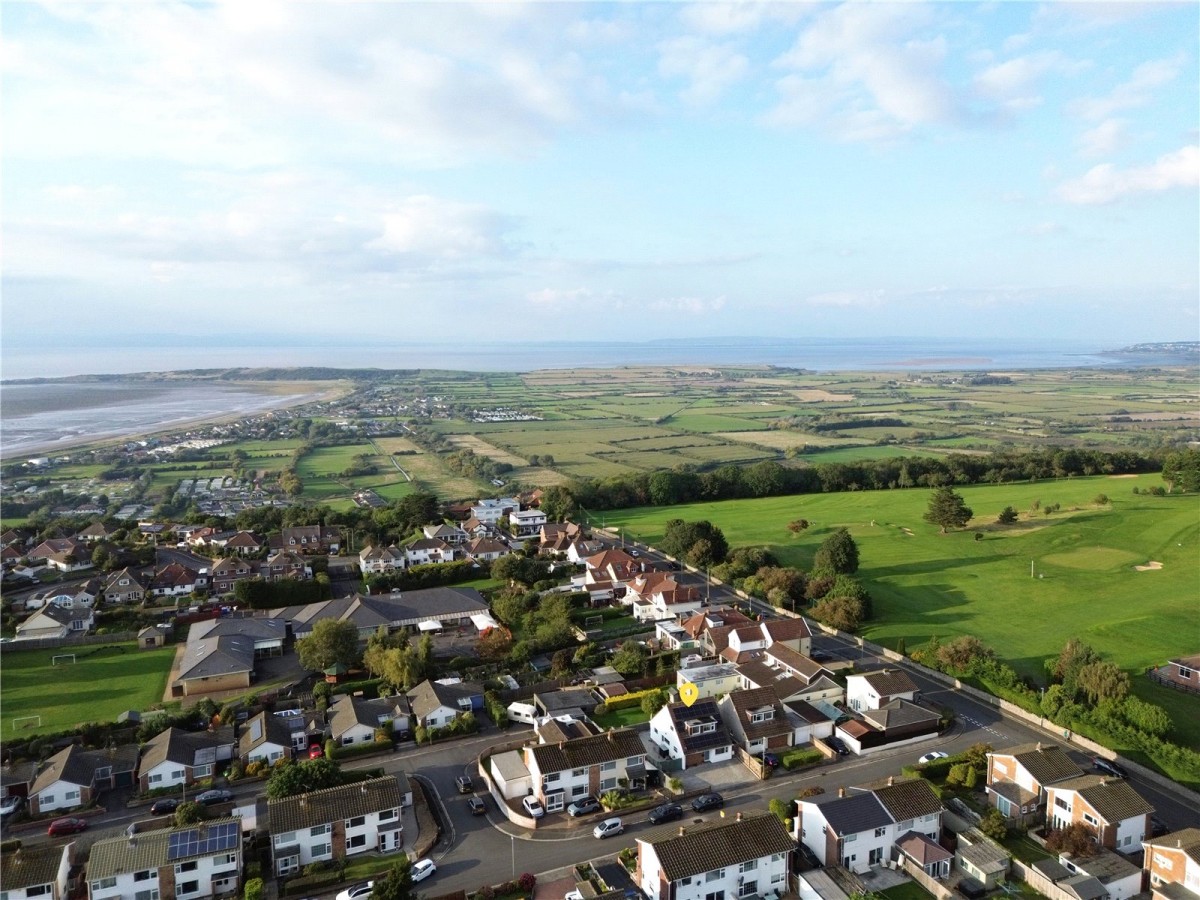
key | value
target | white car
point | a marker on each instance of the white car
(533, 807)
(930, 757)
(357, 891)
(573, 895)
(9, 805)
(608, 828)
(422, 869)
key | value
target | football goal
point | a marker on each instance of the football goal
(63, 659)
(29, 722)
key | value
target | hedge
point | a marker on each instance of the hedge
(801, 756)
(369, 687)
(352, 750)
(311, 884)
(626, 701)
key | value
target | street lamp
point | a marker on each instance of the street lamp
(512, 839)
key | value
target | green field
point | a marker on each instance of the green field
(97, 688)
(925, 584)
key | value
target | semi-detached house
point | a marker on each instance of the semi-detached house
(1017, 777)
(335, 823)
(1172, 863)
(568, 770)
(1110, 807)
(176, 758)
(36, 873)
(202, 860)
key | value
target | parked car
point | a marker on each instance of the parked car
(315, 752)
(770, 760)
(422, 869)
(476, 806)
(819, 656)
(216, 795)
(573, 895)
(931, 756)
(10, 804)
(668, 812)
(1108, 767)
(837, 745)
(1157, 827)
(533, 807)
(583, 806)
(164, 807)
(67, 825)
(608, 828)
(708, 801)
(464, 784)
(359, 891)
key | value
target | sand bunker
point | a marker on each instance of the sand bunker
(1122, 476)
(1149, 567)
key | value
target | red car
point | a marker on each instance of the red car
(315, 752)
(68, 825)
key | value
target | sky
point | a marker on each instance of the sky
(570, 171)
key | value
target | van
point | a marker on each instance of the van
(522, 712)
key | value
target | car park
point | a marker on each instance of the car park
(837, 745)
(359, 891)
(583, 806)
(164, 807)
(216, 795)
(708, 801)
(422, 869)
(608, 828)
(1108, 767)
(931, 756)
(476, 806)
(67, 825)
(666, 813)
(534, 807)
(463, 782)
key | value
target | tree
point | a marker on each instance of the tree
(291, 778)
(838, 553)
(494, 645)
(1007, 516)
(1103, 681)
(994, 825)
(1074, 655)
(1181, 471)
(189, 813)
(558, 503)
(842, 613)
(947, 510)
(630, 659)
(962, 652)
(797, 525)
(1076, 839)
(397, 884)
(331, 643)
(1147, 717)
(654, 701)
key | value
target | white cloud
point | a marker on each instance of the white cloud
(1107, 137)
(557, 297)
(694, 306)
(1014, 83)
(847, 299)
(1106, 183)
(1137, 91)
(709, 67)
(731, 18)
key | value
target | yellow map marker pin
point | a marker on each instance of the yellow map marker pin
(689, 693)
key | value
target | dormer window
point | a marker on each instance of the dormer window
(763, 715)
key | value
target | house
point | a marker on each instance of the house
(526, 523)
(1110, 807)
(896, 723)
(472, 527)
(1104, 875)
(427, 550)
(244, 543)
(173, 580)
(64, 554)
(448, 534)
(284, 564)
(268, 738)
(875, 689)
(435, 705)
(486, 549)
(490, 512)
(609, 569)
(746, 856)
(16, 777)
(229, 571)
(126, 586)
(373, 560)
(1182, 673)
(73, 777)
(793, 675)
(178, 758)
(339, 822)
(711, 628)
(54, 621)
(411, 611)
(193, 861)
(691, 735)
(97, 531)
(859, 828)
(568, 770)
(657, 595)
(1172, 865)
(1017, 778)
(579, 550)
(353, 720)
(710, 681)
(757, 720)
(307, 539)
(41, 872)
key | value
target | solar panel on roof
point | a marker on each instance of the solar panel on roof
(182, 844)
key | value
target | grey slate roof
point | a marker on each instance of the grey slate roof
(30, 867)
(887, 682)
(899, 713)
(146, 850)
(589, 751)
(181, 747)
(1113, 798)
(403, 608)
(852, 814)
(350, 711)
(1047, 763)
(330, 804)
(429, 695)
(209, 657)
(555, 702)
(1186, 839)
(722, 843)
(921, 849)
(268, 728)
(76, 766)
(909, 798)
(1084, 887)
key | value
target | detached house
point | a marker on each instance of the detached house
(202, 860)
(97, 531)
(793, 675)
(486, 549)
(657, 595)
(268, 738)
(428, 550)
(1172, 865)
(72, 777)
(244, 543)
(336, 823)
(875, 689)
(691, 735)
(748, 856)
(563, 772)
(489, 512)
(435, 705)
(1110, 807)
(1183, 673)
(448, 534)
(36, 872)
(228, 572)
(353, 720)
(173, 580)
(55, 621)
(526, 523)
(373, 560)
(178, 758)
(126, 586)
(1017, 778)
(284, 564)
(308, 539)
(757, 720)
(861, 828)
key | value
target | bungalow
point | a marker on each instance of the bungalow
(353, 720)
(895, 724)
(180, 758)
(36, 872)
(435, 705)
(757, 720)
(746, 856)
(693, 734)
(97, 531)
(126, 586)
(794, 676)
(860, 828)
(244, 543)
(710, 681)
(308, 539)
(374, 560)
(338, 822)
(564, 772)
(1105, 874)
(872, 690)
(486, 549)
(54, 621)
(1017, 778)
(64, 554)
(1172, 865)
(72, 777)
(526, 523)
(1110, 807)
(192, 861)
(1182, 673)
(269, 737)
(412, 611)
(173, 580)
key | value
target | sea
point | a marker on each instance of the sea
(40, 416)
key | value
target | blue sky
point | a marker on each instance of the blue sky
(403, 171)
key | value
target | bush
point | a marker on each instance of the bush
(312, 884)
(254, 889)
(626, 701)
(353, 750)
(799, 757)
(527, 882)
(994, 825)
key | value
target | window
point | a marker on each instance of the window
(578, 773)
(1061, 803)
(189, 866)
(145, 875)
(686, 880)
(154, 778)
(851, 837)
(633, 761)
(320, 851)
(71, 795)
(47, 799)
(356, 841)
(318, 830)
(715, 895)
(880, 832)
(151, 894)
(284, 838)
(579, 790)
(714, 875)
(356, 822)
(189, 887)
(608, 766)
(779, 878)
(551, 777)
(763, 715)
(387, 815)
(202, 771)
(1090, 819)
(1185, 672)
(101, 885)
(748, 866)
(607, 784)
(748, 889)
(102, 773)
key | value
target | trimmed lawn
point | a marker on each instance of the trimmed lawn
(910, 890)
(97, 688)
(622, 718)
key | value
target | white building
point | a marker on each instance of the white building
(1110, 807)
(174, 758)
(202, 860)
(692, 735)
(269, 738)
(526, 523)
(335, 823)
(875, 689)
(710, 681)
(564, 772)
(36, 872)
(489, 512)
(353, 720)
(374, 560)
(727, 858)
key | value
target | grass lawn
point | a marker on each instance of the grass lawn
(97, 688)
(910, 890)
(1024, 849)
(622, 718)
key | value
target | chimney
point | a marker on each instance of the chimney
(841, 792)
(1039, 747)
(611, 739)
(891, 780)
(739, 817)
(682, 831)
(562, 744)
